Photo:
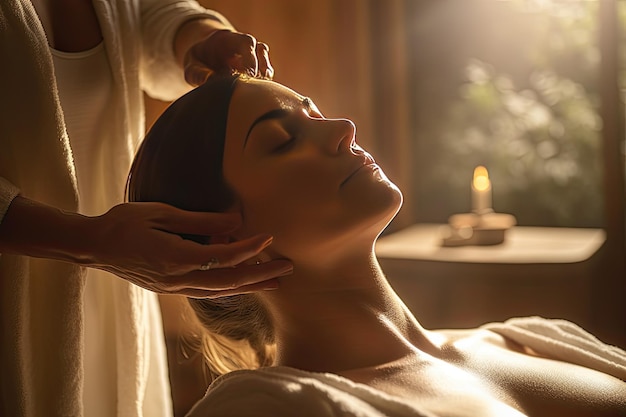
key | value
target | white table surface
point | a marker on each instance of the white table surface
(522, 245)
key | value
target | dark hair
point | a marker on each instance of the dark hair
(180, 163)
(180, 159)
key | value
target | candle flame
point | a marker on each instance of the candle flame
(481, 179)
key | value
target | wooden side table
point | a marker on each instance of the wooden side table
(536, 271)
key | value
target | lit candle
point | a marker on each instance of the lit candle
(481, 191)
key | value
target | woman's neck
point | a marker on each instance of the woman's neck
(341, 318)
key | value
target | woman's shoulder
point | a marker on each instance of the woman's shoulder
(456, 340)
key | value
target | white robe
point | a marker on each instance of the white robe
(41, 301)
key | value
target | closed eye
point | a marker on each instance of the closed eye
(285, 146)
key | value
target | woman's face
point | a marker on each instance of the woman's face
(300, 176)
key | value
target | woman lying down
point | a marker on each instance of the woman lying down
(333, 339)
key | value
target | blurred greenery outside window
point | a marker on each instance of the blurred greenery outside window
(527, 109)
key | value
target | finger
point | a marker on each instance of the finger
(245, 59)
(175, 220)
(265, 67)
(222, 255)
(197, 74)
(235, 63)
(215, 239)
(245, 63)
(268, 285)
(234, 278)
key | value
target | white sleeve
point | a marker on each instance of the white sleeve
(8, 192)
(161, 76)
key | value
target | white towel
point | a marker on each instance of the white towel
(564, 341)
(284, 391)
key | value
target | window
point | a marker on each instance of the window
(512, 85)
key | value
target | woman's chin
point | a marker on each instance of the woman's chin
(386, 200)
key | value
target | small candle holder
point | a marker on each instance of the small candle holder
(481, 229)
(482, 226)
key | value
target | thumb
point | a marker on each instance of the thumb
(196, 74)
(199, 223)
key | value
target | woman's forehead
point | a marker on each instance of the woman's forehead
(254, 97)
(252, 93)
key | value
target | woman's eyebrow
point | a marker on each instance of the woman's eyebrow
(272, 114)
(306, 102)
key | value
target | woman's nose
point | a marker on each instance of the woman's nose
(339, 134)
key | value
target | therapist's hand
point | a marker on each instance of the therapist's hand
(140, 242)
(203, 47)
(225, 51)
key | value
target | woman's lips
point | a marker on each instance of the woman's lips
(366, 161)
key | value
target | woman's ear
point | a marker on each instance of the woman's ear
(242, 232)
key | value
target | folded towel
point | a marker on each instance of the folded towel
(564, 341)
(284, 391)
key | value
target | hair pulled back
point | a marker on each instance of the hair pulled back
(180, 163)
